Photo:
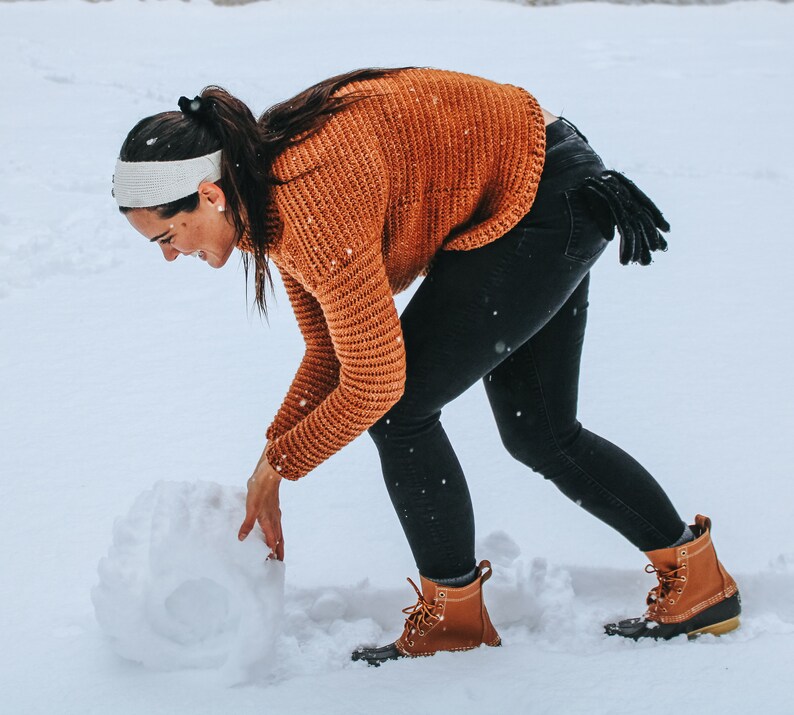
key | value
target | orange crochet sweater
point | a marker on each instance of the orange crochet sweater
(434, 160)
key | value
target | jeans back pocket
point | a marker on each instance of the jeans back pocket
(588, 236)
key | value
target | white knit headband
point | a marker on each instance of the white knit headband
(143, 184)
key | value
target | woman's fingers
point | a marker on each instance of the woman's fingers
(263, 508)
(274, 538)
(262, 505)
(252, 509)
(248, 522)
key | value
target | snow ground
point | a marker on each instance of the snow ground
(119, 371)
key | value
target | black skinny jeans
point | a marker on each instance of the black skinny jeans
(512, 314)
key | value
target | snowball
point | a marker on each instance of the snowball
(178, 590)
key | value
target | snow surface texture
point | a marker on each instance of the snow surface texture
(119, 371)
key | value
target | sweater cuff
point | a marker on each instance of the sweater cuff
(278, 460)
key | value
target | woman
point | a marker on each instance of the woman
(356, 187)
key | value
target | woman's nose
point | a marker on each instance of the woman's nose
(169, 252)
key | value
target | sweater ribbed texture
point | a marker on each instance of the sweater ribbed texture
(430, 160)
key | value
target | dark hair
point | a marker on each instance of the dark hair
(218, 120)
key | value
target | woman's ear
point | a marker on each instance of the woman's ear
(213, 195)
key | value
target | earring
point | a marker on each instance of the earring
(221, 209)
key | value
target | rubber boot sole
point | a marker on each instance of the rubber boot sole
(376, 656)
(717, 629)
(722, 617)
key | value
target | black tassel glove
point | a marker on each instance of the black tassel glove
(617, 201)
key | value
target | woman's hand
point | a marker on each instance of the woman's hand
(262, 505)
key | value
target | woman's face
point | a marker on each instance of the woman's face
(205, 232)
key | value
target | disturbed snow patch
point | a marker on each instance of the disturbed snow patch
(178, 590)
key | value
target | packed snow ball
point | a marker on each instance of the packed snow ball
(177, 589)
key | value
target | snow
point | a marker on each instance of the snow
(136, 393)
(177, 590)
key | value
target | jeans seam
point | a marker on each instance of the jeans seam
(571, 161)
(564, 139)
(581, 469)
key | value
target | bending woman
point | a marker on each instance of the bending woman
(354, 189)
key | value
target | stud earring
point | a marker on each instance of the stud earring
(221, 209)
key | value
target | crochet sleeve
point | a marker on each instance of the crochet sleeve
(333, 225)
(318, 372)
(361, 320)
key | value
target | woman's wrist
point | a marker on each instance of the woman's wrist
(264, 473)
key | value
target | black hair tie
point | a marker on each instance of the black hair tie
(199, 108)
(191, 106)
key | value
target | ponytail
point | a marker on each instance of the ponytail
(245, 177)
(296, 119)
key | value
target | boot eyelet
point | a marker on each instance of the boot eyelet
(410, 643)
(664, 609)
(441, 594)
(683, 553)
(671, 601)
(679, 590)
(421, 633)
(683, 578)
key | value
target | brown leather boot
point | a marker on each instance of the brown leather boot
(443, 618)
(695, 593)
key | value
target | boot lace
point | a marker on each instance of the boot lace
(421, 615)
(660, 595)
